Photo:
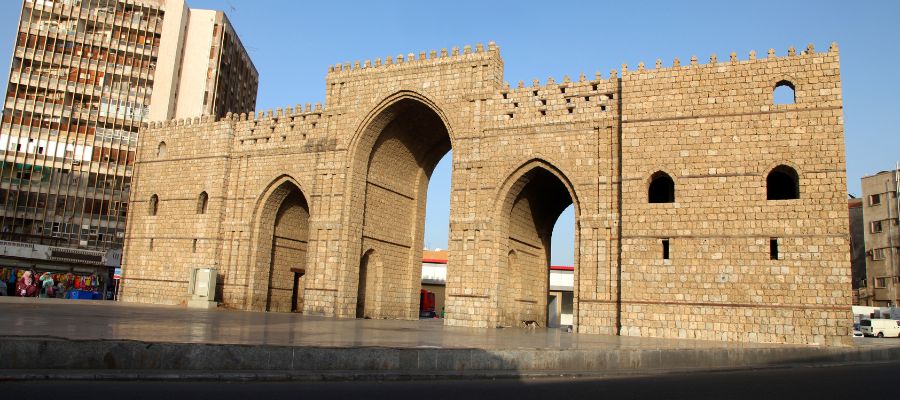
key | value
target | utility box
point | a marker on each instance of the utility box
(202, 287)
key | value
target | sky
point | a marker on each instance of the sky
(292, 43)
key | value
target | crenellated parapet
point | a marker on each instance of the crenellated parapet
(733, 59)
(411, 60)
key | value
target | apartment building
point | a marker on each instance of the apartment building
(85, 76)
(881, 211)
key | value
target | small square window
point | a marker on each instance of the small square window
(881, 283)
(876, 227)
(874, 199)
(878, 254)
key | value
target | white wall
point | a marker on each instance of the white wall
(192, 84)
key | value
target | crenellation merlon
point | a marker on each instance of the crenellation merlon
(430, 56)
(733, 59)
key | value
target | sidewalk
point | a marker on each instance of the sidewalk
(51, 338)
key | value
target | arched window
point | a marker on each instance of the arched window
(783, 183)
(662, 188)
(202, 202)
(784, 93)
(154, 204)
(161, 149)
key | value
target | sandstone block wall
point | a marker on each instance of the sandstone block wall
(520, 156)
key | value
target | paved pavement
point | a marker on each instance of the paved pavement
(49, 338)
(88, 320)
(832, 382)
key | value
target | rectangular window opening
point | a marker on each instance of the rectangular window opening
(194, 246)
(665, 249)
(773, 248)
(874, 199)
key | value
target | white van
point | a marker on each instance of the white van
(880, 327)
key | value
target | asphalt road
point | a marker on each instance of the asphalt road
(835, 382)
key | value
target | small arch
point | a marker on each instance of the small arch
(154, 204)
(161, 150)
(661, 188)
(782, 183)
(202, 202)
(784, 93)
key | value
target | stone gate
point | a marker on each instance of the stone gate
(703, 210)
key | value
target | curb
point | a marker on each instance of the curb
(30, 358)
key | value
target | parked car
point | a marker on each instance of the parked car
(856, 331)
(880, 327)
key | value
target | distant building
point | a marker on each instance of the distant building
(857, 251)
(560, 295)
(882, 238)
(85, 77)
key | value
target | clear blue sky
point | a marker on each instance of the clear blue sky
(293, 42)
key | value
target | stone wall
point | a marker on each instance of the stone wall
(520, 156)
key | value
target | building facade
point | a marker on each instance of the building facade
(85, 77)
(882, 238)
(703, 209)
(858, 252)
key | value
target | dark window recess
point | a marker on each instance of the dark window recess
(783, 183)
(662, 188)
(773, 248)
(665, 249)
(202, 202)
(154, 204)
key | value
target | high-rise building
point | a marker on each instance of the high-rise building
(86, 75)
(881, 215)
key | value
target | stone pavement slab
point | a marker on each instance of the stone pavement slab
(50, 338)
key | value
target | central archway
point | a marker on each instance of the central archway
(535, 196)
(392, 165)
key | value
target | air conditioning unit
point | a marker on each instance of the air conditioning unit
(202, 287)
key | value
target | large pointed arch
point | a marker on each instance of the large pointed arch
(282, 208)
(391, 157)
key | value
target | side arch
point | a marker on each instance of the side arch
(282, 191)
(526, 208)
(505, 189)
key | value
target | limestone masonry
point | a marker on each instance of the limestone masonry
(703, 209)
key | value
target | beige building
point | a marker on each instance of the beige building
(85, 76)
(214, 74)
(882, 238)
(703, 208)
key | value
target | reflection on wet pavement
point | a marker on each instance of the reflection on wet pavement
(83, 319)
